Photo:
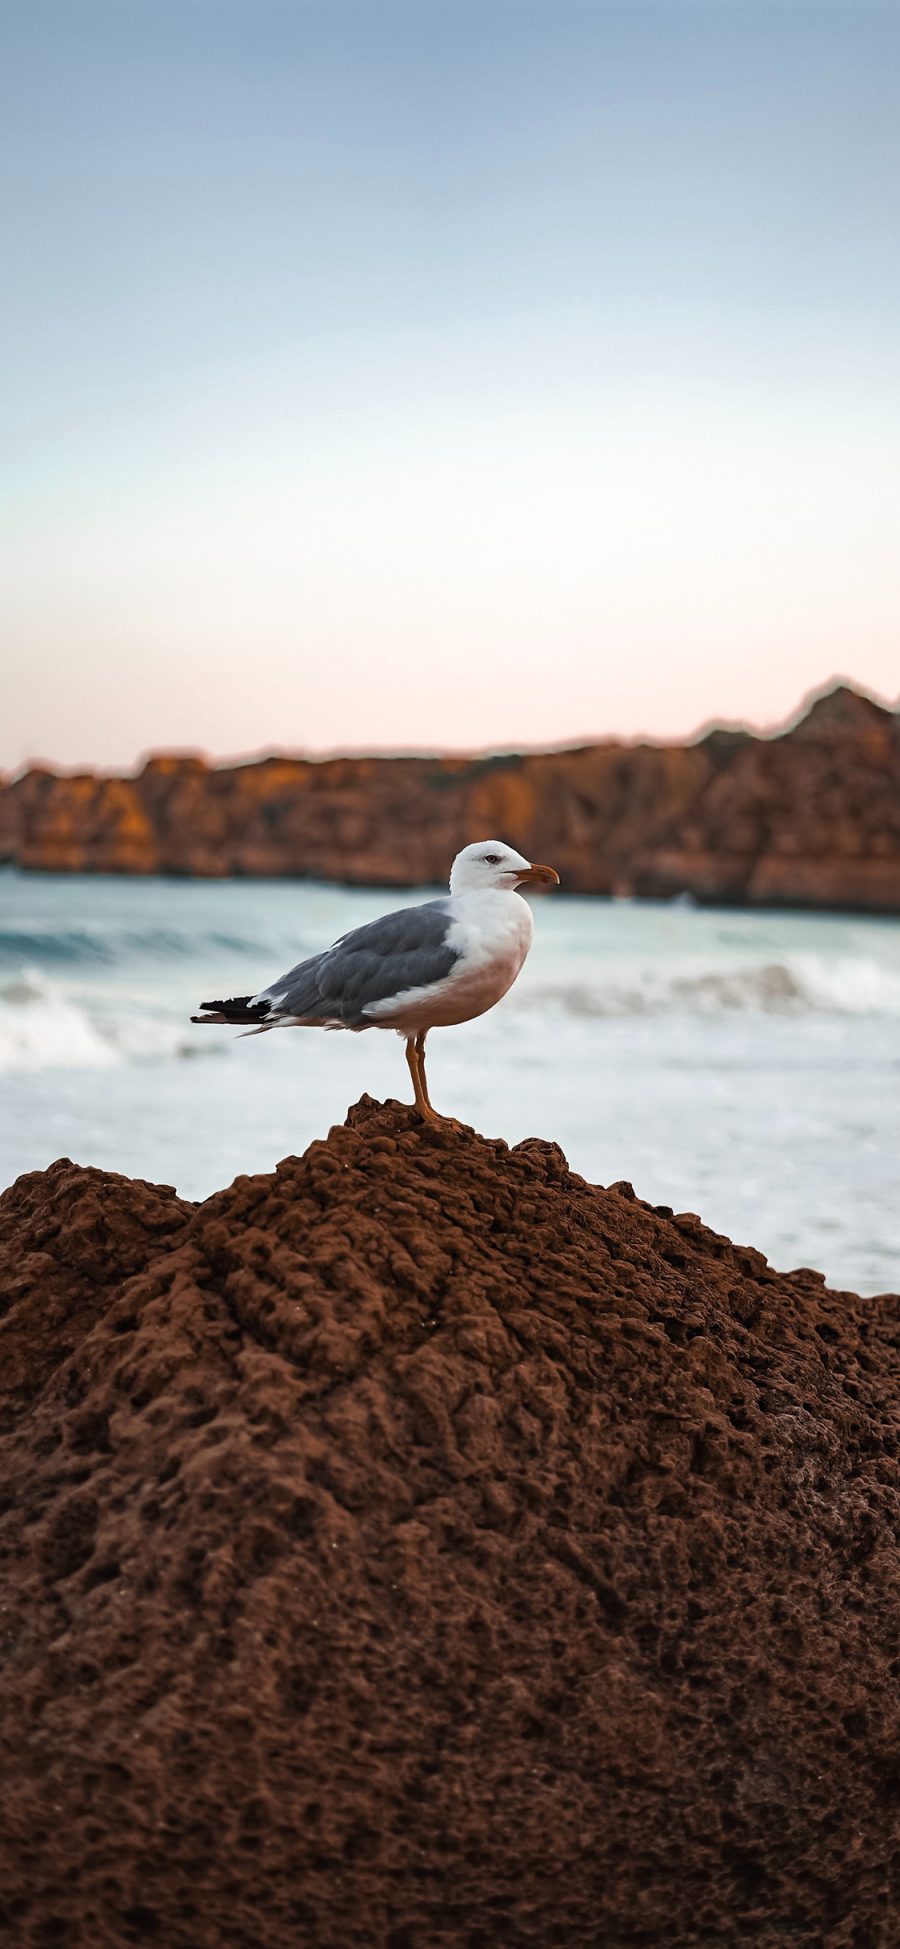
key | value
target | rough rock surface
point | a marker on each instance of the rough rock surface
(422, 1546)
(810, 818)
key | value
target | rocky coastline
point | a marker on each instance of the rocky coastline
(807, 818)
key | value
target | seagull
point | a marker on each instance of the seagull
(425, 967)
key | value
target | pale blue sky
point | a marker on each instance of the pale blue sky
(436, 373)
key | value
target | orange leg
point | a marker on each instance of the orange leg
(417, 1072)
(420, 1054)
(424, 1104)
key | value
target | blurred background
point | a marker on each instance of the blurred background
(437, 377)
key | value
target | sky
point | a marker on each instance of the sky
(421, 374)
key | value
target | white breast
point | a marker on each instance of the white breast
(489, 927)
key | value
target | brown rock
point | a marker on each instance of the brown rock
(421, 1546)
(809, 818)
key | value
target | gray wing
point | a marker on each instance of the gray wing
(408, 949)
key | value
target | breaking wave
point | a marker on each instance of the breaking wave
(802, 985)
(40, 1030)
(41, 1027)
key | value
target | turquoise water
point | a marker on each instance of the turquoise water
(745, 1066)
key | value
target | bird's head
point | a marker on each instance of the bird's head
(488, 863)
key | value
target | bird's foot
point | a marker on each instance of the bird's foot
(438, 1122)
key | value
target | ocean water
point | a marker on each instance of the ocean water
(744, 1066)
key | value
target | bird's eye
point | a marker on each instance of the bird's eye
(491, 859)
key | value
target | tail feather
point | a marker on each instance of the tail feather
(240, 1009)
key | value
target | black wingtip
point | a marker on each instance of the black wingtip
(238, 1008)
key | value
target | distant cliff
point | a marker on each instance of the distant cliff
(807, 818)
